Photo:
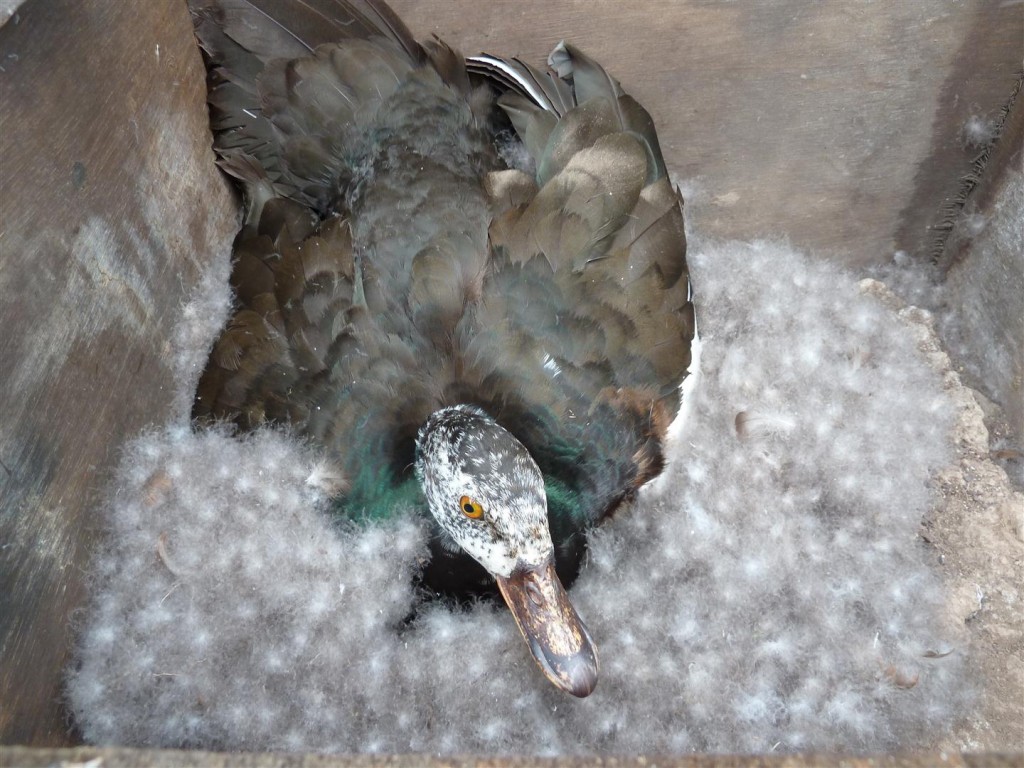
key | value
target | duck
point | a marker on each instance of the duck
(463, 280)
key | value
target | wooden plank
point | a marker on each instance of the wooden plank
(109, 207)
(128, 758)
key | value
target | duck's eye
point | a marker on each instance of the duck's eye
(471, 508)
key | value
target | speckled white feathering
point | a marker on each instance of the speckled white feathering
(771, 594)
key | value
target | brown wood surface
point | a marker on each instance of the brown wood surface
(109, 204)
(130, 758)
(835, 124)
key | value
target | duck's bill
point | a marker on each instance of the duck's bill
(557, 637)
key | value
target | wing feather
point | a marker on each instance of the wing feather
(604, 233)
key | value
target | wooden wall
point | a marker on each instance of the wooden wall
(835, 124)
(110, 204)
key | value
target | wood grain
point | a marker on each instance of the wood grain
(128, 758)
(110, 205)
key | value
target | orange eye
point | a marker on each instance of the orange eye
(471, 508)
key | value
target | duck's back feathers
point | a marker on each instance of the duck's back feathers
(392, 264)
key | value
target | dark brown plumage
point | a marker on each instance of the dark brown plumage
(392, 263)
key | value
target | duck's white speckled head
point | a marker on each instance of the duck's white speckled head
(487, 493)
(484, 489)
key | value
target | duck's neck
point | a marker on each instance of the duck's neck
(379, 495)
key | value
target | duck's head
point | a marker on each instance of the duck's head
(487, 493)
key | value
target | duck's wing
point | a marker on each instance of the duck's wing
(588, 281)
(266, 57)
(293, 282)
(283, 96)
(338, 311)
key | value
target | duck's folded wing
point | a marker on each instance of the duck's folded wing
(290, 82)
(294, 283)
(320, 338)
(601, 223)
(588, 287)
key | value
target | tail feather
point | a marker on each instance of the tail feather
(579, 93)
(591, 81)
(449, 63)
(542, 88)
